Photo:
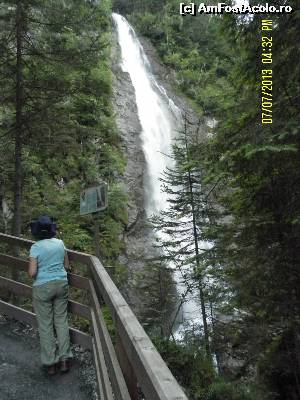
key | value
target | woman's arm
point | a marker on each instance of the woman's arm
(32, 267)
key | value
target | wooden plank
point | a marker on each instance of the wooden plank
(97, 369)
(80, 309)
(77, 256)
(154, 377)
(81, 338)
(128, 371)
(17, 241)
(21, 289)
(10, 261)
(106, 386)
(114, 370)
(78, 281)
(74, 280)
(19, 314)
(17, 288)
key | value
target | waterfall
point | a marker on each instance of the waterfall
(160, 120)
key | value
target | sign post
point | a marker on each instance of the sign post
(93, 200)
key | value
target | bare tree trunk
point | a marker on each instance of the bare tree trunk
(19, 102)
(170, 333)
(16, 228)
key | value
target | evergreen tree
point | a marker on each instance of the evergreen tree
(258, 165)
(179, 225)
(158, 297)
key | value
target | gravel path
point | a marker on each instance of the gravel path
(22, 377)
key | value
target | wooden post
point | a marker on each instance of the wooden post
(128, 373)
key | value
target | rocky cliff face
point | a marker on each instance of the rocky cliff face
(129, 128)
(138, 237)
(136, 233)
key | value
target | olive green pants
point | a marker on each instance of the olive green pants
(50, 302)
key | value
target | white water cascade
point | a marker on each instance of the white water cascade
(160, 119)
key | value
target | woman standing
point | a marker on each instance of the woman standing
(48, 262)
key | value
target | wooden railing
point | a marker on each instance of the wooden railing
(132, 364)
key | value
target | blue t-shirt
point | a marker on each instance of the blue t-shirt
(50, 254)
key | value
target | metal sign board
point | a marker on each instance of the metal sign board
(93, 199)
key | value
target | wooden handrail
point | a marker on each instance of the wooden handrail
(77, 281)
(136, 348)
(18, 313)
(17, 241)
(114, 369)
(21, 289)
(152, 373)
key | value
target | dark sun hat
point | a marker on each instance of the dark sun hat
(43, 227)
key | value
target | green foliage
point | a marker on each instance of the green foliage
(222, 390)
(195, 373)
(157, 294)
(109, 322)
(256, 170)
(192, 46)
(69, 138)
(120, 276)
(188, 364)
(277, 365)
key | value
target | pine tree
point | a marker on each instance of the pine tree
(157, 292)
(179, 226)
(258, 245)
